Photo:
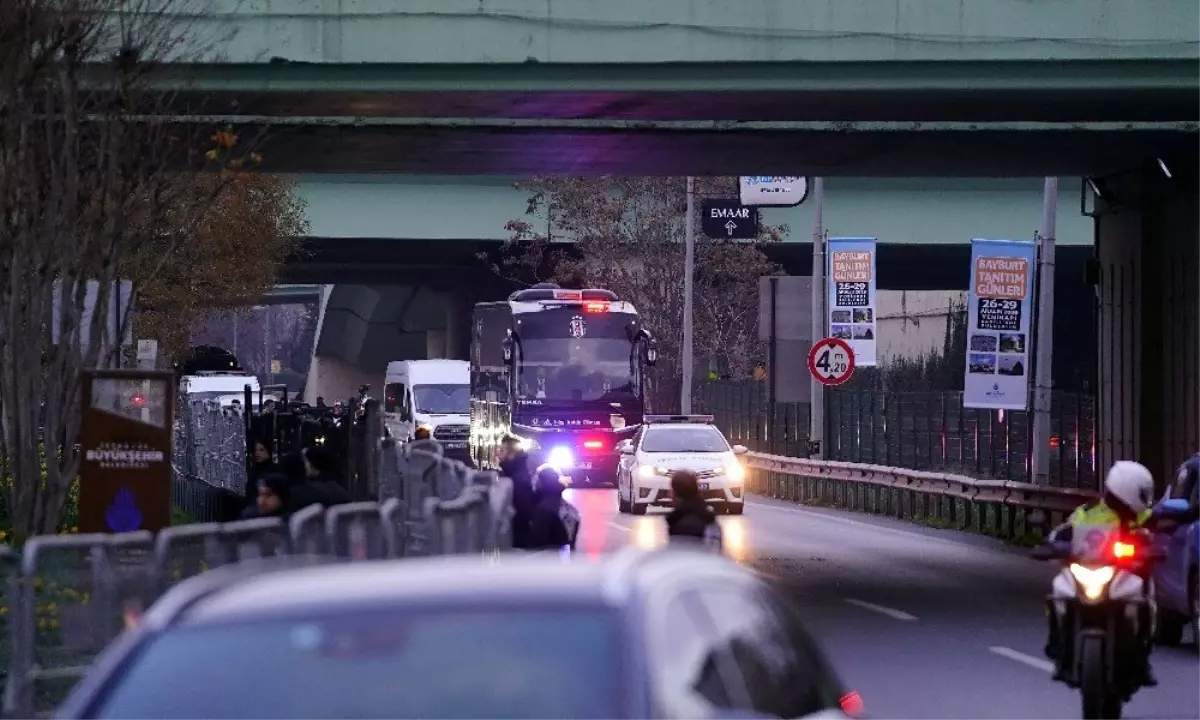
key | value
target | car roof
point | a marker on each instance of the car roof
(611, 580)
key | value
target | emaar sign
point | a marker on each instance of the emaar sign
(759, 190)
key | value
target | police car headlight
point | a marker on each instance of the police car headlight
(735, 472)
(648, 472)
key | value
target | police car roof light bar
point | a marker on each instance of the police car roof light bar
(659, 419)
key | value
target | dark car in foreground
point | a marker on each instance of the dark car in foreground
(634, 635)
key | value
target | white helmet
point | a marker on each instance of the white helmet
(1131, 483)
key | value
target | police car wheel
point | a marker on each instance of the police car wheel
(734, 508)
(639, 508)
(622, 505)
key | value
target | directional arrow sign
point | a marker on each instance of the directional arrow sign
(831, 361)
(729, 219)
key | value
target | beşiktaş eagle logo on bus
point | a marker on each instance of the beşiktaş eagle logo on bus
(578, 327)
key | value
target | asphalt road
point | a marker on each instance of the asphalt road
(923, 623)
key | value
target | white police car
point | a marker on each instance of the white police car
(669, 443)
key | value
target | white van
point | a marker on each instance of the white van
(433, 393)
(225, 387)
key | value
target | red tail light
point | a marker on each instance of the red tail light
(851, 704)
(1123, 550)
(138, 401)
(593, 445)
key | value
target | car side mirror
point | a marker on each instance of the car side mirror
(740, 449)
(625, 447)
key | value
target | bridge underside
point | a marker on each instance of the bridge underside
(900, 119)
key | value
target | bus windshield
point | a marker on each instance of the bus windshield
(575, 369)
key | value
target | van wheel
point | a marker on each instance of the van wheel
(639, 508)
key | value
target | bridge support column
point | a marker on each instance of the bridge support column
(1148, 249)
(458, 327)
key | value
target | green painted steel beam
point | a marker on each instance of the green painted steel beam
(682, 126)
(974, 76)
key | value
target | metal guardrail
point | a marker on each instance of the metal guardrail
(70, 595)
(996, 507)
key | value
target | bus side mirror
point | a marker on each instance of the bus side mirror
(651, 356)
(507, 345)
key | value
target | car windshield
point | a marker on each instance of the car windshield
(442, 399)
(699, 439)
(381, 664)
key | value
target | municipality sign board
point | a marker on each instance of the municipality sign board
(998, 320)
(758, 190)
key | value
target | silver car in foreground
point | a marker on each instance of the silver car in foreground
(670, 634)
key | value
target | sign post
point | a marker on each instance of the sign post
(728, 219)
(125, 442)
(998, 311)
(831, 361)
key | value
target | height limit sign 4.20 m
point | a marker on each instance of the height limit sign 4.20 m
(831, 361)
(728, 219)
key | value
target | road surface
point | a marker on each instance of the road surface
(923, 623)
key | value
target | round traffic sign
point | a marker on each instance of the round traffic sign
(831, 361)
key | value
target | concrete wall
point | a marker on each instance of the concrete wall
(894, 210)
(913, 323)
(1148, 248)
(636, 31)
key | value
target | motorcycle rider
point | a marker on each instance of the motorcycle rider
(1128, 496)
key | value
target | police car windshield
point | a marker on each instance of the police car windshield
(697, 439)
(379, 663)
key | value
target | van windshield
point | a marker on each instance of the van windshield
(442, 399)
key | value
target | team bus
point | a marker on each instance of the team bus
(564, 370)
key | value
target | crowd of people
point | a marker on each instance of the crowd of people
(299, 479)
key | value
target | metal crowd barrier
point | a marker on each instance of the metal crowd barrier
(209, 460)
(69, 595)
(1005, 509)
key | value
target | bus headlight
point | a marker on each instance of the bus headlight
(560, 457)
(734, 472)
(526, 444)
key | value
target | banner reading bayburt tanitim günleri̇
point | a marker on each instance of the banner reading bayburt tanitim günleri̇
(852, 296)
(998, 318)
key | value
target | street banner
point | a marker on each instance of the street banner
(851, 287)
(999, 312)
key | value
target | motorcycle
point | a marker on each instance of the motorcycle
(1101, 603)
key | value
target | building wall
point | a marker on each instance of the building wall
(913, 323)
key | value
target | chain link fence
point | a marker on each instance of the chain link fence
(68, 596)
(916, 430)
(209, 467)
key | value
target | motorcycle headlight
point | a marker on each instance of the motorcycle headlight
(735, 472)
(1093, 581)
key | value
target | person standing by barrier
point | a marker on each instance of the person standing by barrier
(514, 465)
(261, 466)
(554, 524)
(321, 480)
(274, 495)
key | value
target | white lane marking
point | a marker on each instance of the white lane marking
(1033, 662)
(618, 526)
(882, 610)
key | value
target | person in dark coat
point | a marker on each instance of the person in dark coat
(514, 465)
(320, 485)
(691, 517)
(549, 526)
(273, 499)
(262, 465)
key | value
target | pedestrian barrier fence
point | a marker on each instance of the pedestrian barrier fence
(69, 595)
(1002, 508)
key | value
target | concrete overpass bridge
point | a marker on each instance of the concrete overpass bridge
(930, 88)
